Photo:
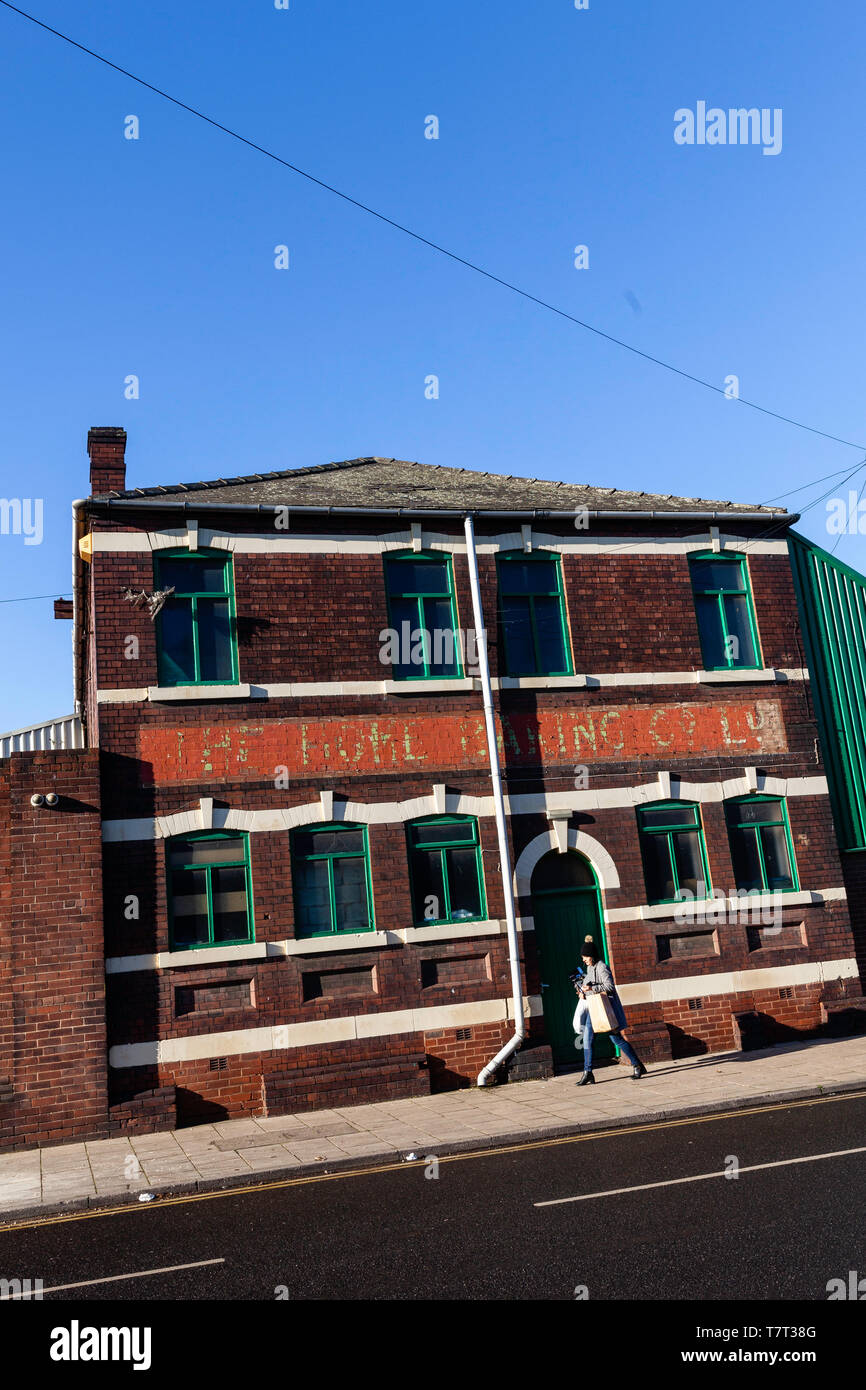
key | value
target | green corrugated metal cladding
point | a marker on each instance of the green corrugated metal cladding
(832, 602)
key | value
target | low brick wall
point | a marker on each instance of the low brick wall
(53, 1085)
(146, 1113)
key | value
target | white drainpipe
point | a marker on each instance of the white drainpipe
(77, 615)
(499, 806)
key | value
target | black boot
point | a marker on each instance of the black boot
(587, 1079)
(638, 1071)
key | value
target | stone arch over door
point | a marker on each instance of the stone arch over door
(591, 849)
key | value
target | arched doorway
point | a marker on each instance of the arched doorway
(566, 907)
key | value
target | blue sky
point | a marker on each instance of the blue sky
(155, 257)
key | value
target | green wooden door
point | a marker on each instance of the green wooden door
(563, 921)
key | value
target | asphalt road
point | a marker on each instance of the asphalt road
(477, 1230)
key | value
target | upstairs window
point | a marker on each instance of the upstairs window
(423, 617)
(761, 848)
(445, 869)
(532, 614)
(195, 630)
(726, 617)
(673, 851)
(209, 890)
(331, 873)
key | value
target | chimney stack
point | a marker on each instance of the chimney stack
(106, 445)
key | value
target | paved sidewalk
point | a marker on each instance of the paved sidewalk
(108, 1172)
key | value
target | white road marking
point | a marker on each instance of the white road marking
(698, 1177)
(112, 1278)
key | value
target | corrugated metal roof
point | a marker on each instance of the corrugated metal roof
(50, 735)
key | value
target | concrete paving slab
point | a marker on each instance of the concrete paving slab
(59, 1162)
(358, 1143)
(197, 1132)
(228, 1128)
(327, 1130)
(268, 1122)
(167, 1139)
(21, 1158)
(53, 1151)
(271, 1156)
(314, 1150)
(114, 1189)
(230, 1165)
(200, 1146)
(67, 1192)
(319, 1116)
(401, 1142)
(181, 1167)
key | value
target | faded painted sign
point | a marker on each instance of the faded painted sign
(390, 743)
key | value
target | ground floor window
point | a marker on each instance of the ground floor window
(445, 869)
(209, 890)
(331, 873)
(673, 852)
(761, 849)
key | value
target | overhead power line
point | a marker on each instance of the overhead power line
(426, 241)
(31, 598)
(777, 526)
(856, 513)
(802, 488)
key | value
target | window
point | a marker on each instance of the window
(421, 611)
(445, 869)
(332, 880)
(195, 627)
(532, 614)
(673, 851)
(761, 848)
(209, 890)
(726, 618)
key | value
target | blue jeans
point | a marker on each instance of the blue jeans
(589, 1034)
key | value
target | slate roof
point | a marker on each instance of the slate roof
(371, 482)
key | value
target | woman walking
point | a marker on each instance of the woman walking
(598, 980)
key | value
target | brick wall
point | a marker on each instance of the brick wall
(52, 983)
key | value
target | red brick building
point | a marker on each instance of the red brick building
(305, 899)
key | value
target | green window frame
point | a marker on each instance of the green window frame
(672, 843)
(532, 617)
(445, 864)
(213, 868)
(759, 833)
(196, 628)
(419, 591)
(725, 612)
(330, 864)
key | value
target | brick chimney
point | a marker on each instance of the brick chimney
(106, 445)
